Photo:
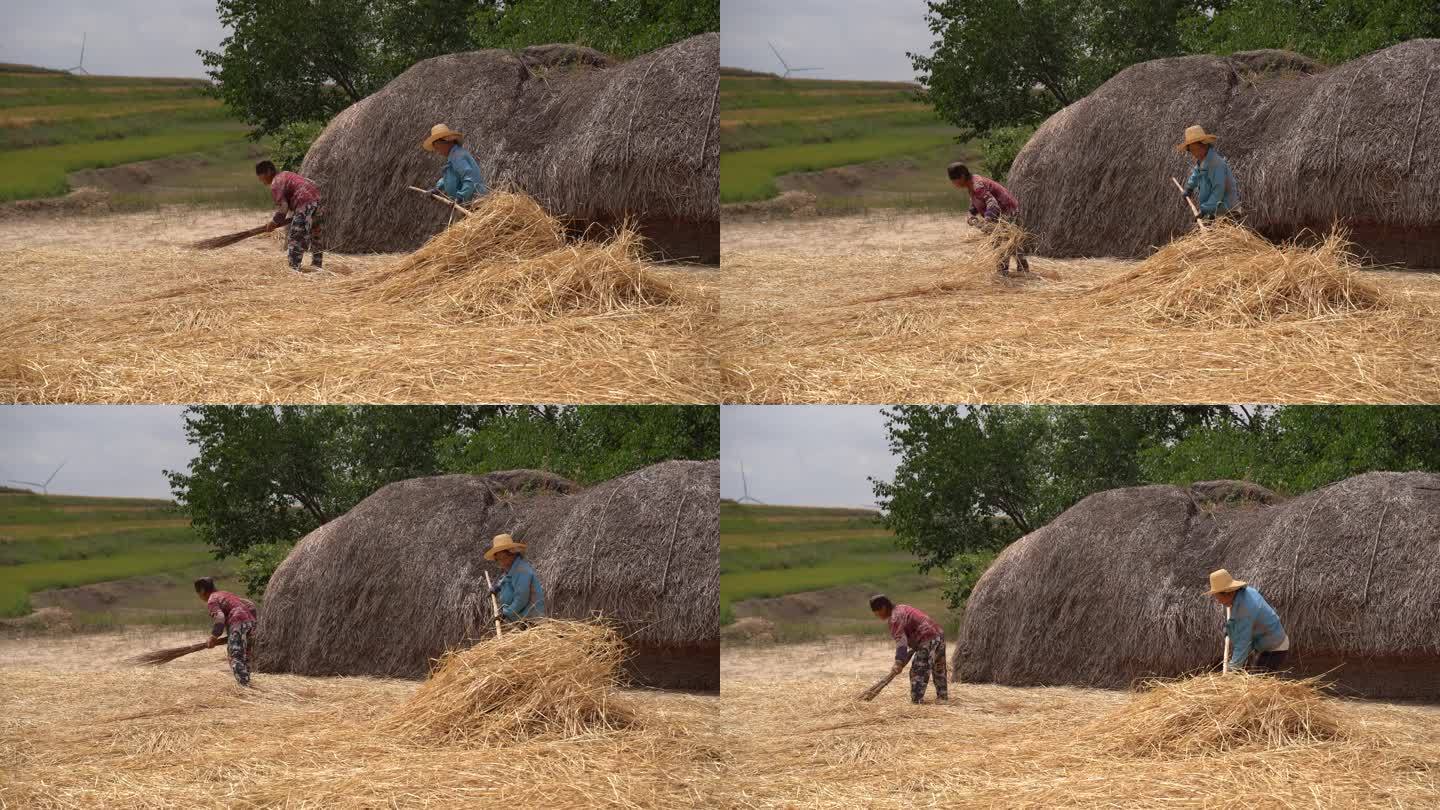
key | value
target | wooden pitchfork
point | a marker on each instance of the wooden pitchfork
(454, 206)
(494, 604)
(1196, 211)
(1225, 662)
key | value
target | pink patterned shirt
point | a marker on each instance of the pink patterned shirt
(293, 192)
(990, 199)
(228, 609)
(910, 627)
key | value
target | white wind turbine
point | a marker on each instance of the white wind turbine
(45, 487)
(786, 65)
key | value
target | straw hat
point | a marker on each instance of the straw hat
(440, 132)
(503, 542)
(1195, 134)
(1220, 582)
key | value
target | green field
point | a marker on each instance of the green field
(53, 124)
(771, 127)
(834, 556)
(144, 553)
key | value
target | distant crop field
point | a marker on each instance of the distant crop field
(52, 124)
(772, 127)
(63, 542)
(780, 551)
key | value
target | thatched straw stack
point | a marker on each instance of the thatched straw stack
(596, 142)
(1309, 146)
(555, 679)
(1113, 590)
(400, 578)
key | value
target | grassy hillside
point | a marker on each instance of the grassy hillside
(52, 124)
(139, 555)
(821, 563)
(770, 127)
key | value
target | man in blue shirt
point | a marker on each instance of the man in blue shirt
(461, 181)
(1211, 182)
(522, 598)
(1253, 625)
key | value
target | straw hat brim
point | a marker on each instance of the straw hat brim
(1235, 585)
(1207, 140)
(518, 548)
(429, 144)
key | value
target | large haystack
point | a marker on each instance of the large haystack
(592, 140)
(400, 578)
(1113, 590)
(1310, 147)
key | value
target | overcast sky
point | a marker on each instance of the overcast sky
(850, 39)
(110, 450)
(124, 37)
(812, 455)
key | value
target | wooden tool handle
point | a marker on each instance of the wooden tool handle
(1225, 662)
(494, 603)
(1189, 202)
(442, 200)
(869, 694)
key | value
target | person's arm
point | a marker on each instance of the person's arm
(1192, 180)
(519, 600)
(277, 193)
(218, 628)
(992, 210)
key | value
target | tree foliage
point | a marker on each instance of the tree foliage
(263, 477)
(1002, 63)
(588, 443)
(287, 61)
(972, 480)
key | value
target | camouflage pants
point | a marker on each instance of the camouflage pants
(929, 664)
(237, 643)
(305, 233)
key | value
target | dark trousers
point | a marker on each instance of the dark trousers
(1273, 661)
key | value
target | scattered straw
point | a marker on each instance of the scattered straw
(500, 308)
(557, 678)
(797, 738)
(875, 309)
(78, 731)
(1217, 713)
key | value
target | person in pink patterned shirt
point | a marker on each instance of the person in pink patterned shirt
(920, 642)
(234, 619)
(300, 198)
(990, 202)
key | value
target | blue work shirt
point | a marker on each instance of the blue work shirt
(462, 180)
(521, 595)
(1253, 625)
(1213, 184)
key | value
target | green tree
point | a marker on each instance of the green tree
(290, 61)
(1013, 62)
(622, 28)
(973, 479)
(1331, 31)
(588, 443)
(266, 474)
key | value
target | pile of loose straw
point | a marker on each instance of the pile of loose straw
(557, 678)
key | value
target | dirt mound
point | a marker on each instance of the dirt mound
(79, 201)
(748, 629)
(136, 176)
(788, 204)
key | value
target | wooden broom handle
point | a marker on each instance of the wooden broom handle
(494, 603)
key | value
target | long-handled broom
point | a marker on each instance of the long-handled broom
(869, 694)
(231, 238)
(165, 656)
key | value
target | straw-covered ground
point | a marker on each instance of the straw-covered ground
(907, 308)
(794, 730)
(501, 307)
(81, 728)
